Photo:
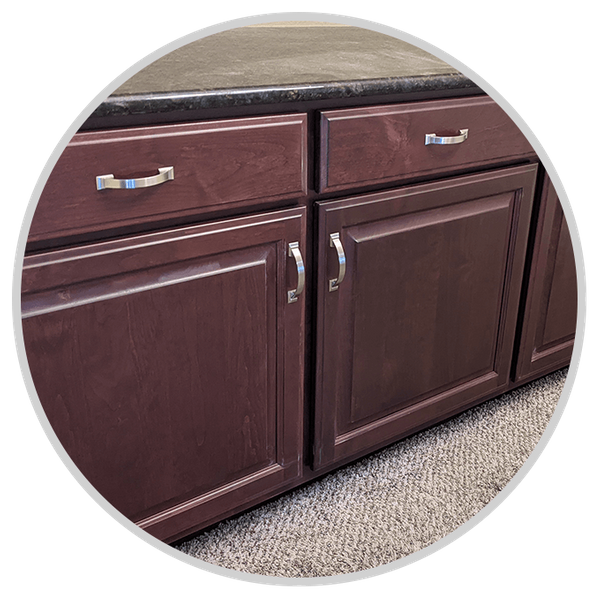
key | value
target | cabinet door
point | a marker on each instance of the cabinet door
(423, 322)
(550, 313)
(170, 365)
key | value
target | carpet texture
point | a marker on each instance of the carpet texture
(390, 504)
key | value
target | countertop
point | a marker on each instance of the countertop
(264, 66)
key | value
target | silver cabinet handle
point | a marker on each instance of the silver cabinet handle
(335, 242)
(109, 182)
(432, 138)
(294, 252)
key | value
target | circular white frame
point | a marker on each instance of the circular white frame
(339, 18)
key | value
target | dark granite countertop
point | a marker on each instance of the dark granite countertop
(276, 65)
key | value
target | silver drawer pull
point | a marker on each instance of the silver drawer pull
(294, 252)
(335, 242)
(104, 182)
(432, 138)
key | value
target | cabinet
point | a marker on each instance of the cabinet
(424, 319)
(302, 289)
(171, 365)
(550, 313)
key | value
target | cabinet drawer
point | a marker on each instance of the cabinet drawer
(373, 145)
(218, 166)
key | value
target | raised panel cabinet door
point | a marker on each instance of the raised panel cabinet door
(170, 365)
(550, 314)
(422, 322)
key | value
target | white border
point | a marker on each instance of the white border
(305, 15)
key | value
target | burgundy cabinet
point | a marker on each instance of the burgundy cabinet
(170, 365)
(418, 293)
(174, 365)
(550, 315)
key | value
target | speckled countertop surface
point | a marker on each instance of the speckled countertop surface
(274, 65)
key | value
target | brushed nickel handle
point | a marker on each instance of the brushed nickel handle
(294, 252)
(335, 242)
(104, 182)
(432, 138)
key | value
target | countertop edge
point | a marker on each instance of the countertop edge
(179, 102)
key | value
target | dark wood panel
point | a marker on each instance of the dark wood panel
(387, 143)
(550, 312)
(171, 365)
(424, 321)
(424, 292)
(217, 165)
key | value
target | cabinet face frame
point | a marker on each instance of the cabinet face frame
(510, 190)
(159, 266)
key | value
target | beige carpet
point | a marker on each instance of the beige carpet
(393, 503)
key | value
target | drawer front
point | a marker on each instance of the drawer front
(218, 166)
(381, 144)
